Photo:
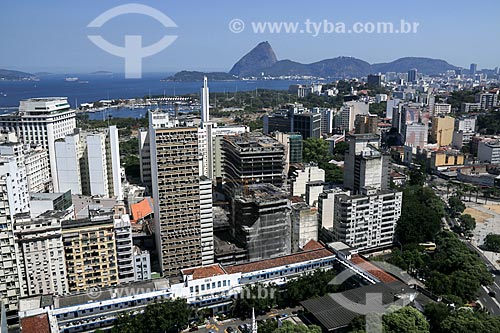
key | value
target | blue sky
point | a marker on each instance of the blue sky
(52, 35)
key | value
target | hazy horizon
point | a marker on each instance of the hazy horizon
(52, 36)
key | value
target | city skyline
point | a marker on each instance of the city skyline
(43, 39)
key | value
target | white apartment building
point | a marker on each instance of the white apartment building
(309, 173)
(368, 220)
(142, 264)
(441, 109)
(124, 249)
(40, 252)
(41, 121)
(326, 206)
(10, 285)
(33, 158)
(489, 151)
(348, 114)
(89, 163)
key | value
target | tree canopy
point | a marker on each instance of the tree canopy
(317, 150)
(492, 243)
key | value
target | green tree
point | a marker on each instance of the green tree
(421, 215)
(318, 151)
(436, 313)
(288, 327)
(170, 316)
(405, 320)
(468, 222)
(492, 243)
(456, 205)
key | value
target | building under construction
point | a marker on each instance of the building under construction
(261, 221)
(252, 158)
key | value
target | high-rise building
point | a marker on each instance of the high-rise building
(473, 69)
(307, 124)
(366, 123)
(15, 172)
(261, 221)
(348, 113)
(40, 250)
(373, 80)
(327, 119)
(412, 75)
(367, 220)
(416, 134)
(252, 158)
(365, 164)
(206, 221)
(124, 249)
(90, 253)
(176, 191)
(326, 207)
(301, 177)
(487, 101)
(441, 109)
(442, 130)
(89, 163)
(304, 225)
(41, 121)
(293, 148)
(10, 284)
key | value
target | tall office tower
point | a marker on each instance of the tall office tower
(89, 163)
(412, 75)
(293, 148)
(307, 124)
(473, 69)
(124, 249)
(40, 250)
(176, 191)
(442, 130)
(41, 121)
(90, 253)
(206, 221)
(374, 81)
(391, 105)
(205, 102)
(261, 221)
(366, 123)
(365, 164)
(252, 158)
(367, 220)
(205, 134)
(144, 157)
(327, 119)
(10, 285)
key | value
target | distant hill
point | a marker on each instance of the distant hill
(102, 73)
(262, 60)
(198, 76)
(10, 75)
(261, 57)
(423, 65)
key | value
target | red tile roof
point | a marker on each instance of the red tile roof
(204, 272)
(35, 324)
(281, 261)
(372, 269)
(141, 209)
(313, 245)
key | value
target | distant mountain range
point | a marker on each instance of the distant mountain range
(262, 61)
(10, 75)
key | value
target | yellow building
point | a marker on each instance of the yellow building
(442, 130)
(90, 253)
(446, 158)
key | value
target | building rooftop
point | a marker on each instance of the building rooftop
(253, 140)
(372, 269)
(204, 271)
(280, 261)
(36, 324)
(262, 192)
(142, 209)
